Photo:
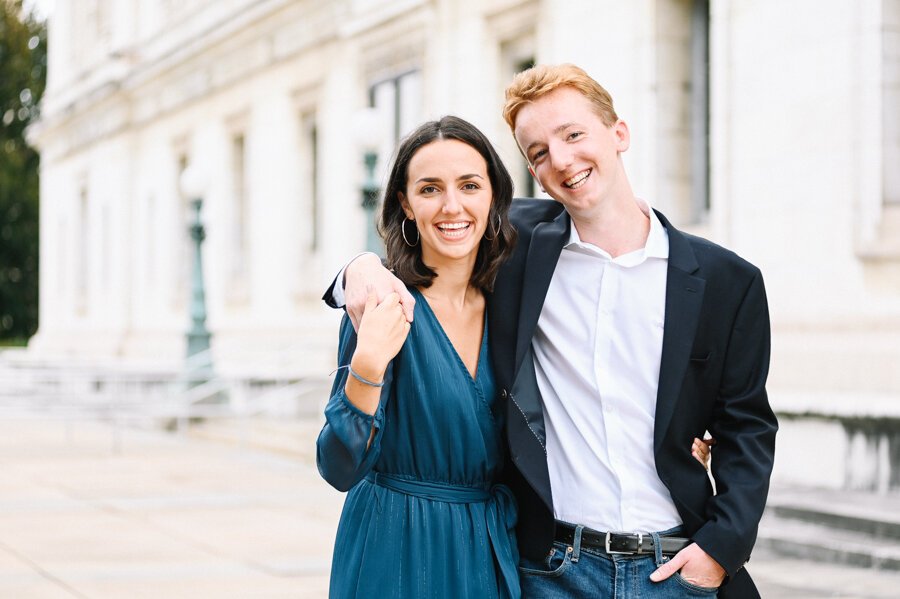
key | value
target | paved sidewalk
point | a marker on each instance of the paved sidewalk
(212, 515)
(169, 517)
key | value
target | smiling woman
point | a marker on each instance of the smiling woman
(413, 427)
(448, 198)
(454, 189)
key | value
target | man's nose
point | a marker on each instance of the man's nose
(560, 157)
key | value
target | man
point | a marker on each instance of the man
(616, 340)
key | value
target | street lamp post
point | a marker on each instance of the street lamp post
(370, 191)
(369, 127)
(198, 336)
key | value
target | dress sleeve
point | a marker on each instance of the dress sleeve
(341, 453)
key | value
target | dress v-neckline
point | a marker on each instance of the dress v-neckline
(481, 345)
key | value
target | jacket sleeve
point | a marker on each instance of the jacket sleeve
(334, 295)
(744, 426)
(343, 453)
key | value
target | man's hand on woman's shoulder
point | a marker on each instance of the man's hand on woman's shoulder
(367, 272)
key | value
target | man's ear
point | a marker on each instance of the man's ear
(538, 181)
(623, 135)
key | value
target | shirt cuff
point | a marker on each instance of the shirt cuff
(337, 293)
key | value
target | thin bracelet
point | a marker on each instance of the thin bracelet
(363, 379)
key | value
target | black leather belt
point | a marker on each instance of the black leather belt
(619, 543)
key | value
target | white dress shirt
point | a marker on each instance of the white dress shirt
(597, 353)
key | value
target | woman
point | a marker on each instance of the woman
(413, 425)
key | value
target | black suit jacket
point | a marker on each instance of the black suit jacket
(715, 358)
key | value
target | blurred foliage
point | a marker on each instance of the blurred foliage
(23, 74)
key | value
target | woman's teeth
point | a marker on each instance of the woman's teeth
(453, 229)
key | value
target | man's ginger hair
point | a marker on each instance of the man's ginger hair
(531, 84)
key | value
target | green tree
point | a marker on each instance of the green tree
(23, 71)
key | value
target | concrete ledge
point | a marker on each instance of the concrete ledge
(866, 513)
(852, 528)
(823, 543)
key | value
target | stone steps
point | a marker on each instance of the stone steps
(852, 528)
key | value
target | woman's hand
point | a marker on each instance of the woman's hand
(382, 332)
(701, 450)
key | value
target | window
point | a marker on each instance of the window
(83, 235)
(149, 233)
(527, 186)
(105, 233)
(891, 102)
(240, 212)
(699, 110)
(879, 218)
(309, 183)
(182, 251)
(682, 60)
(516, 55)
(398, 101)
(62, 255)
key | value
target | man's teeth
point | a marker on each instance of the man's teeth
(578, 180)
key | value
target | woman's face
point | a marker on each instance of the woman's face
(448, 194)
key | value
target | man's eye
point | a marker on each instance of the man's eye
(575, 135)
(537, 155)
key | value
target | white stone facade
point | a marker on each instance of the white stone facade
(804, 156)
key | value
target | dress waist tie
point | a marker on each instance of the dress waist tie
(500, 515)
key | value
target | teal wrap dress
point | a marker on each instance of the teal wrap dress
(423, 518)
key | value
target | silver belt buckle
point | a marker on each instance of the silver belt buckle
(611, 552)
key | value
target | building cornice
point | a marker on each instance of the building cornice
(168, 75)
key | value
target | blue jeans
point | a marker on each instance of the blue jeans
(575, 572)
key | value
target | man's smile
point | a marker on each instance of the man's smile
(578, 180)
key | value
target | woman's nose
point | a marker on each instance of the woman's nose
(451, 203)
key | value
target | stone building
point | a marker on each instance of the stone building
(766, 130)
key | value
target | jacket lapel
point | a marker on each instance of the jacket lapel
(684, 300)
(543, 252)
(527, 435)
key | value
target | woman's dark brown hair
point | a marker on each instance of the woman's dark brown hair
(406, 261)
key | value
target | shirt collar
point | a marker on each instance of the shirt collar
(657, 245)
(658, 239)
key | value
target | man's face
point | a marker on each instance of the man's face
(572, 153)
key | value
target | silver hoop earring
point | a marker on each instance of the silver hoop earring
(496, 231)
(403, 232)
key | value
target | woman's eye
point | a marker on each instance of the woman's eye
(429, 189)
(575, 135)
(470, 186)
